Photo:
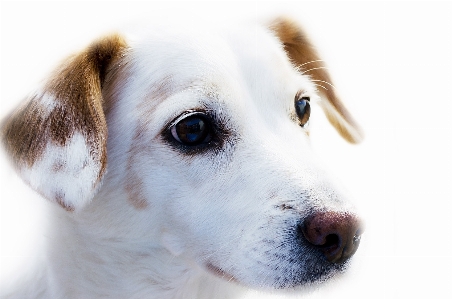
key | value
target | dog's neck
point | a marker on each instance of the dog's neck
(82, 263)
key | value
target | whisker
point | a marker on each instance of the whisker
(312, 61)
(321, 86)
(315, 68)
(324, 82)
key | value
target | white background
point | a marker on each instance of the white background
(392, 64)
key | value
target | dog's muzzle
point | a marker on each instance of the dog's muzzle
(337, 235)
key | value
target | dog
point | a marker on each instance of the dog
(178, 165)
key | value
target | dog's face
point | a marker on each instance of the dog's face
(208, 151)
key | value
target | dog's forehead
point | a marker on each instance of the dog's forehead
(241, 62)
(266, 71)
(181, 54)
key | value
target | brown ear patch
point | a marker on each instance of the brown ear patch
(303, 55)
(63, 127)
(75, 88)
(78, 88)
(18, 136)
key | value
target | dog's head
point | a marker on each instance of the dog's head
(207, 149)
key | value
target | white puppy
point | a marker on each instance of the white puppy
(180, 166)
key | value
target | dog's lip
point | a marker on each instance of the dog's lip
(219, 272)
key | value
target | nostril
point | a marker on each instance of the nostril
(336, 235)
(331, 241)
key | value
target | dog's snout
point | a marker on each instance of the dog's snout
(337, 235)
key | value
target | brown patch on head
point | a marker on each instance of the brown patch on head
(134, 185)
(161, 89)
(135, 194)
(304, 56)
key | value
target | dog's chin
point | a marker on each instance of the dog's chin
(311, 276)
(293, 277)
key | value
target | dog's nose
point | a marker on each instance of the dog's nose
(335, 234)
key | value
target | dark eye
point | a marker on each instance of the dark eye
(303, 110)
(194, 129)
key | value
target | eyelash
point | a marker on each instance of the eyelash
(214, 139)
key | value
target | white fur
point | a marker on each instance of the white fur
(58, 180)
(215, 210)
(46, 101)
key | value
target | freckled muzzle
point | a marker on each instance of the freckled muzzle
(335, 234)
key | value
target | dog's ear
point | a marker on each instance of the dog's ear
(57, 139)
(304, 56)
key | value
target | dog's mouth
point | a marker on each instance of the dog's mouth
(314, 272)
(307, 254)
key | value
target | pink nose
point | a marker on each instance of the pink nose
(336, 235)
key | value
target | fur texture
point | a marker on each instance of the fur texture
(140, 214)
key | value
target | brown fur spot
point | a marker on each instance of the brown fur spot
(58, 166)
(163, 88)
(303, 55)
(134, 189)
(76, 89)
(59, 198)
(220, 272)
(21, 132)
(134, 185)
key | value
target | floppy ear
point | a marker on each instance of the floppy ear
(304, 56)
(57, 139)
